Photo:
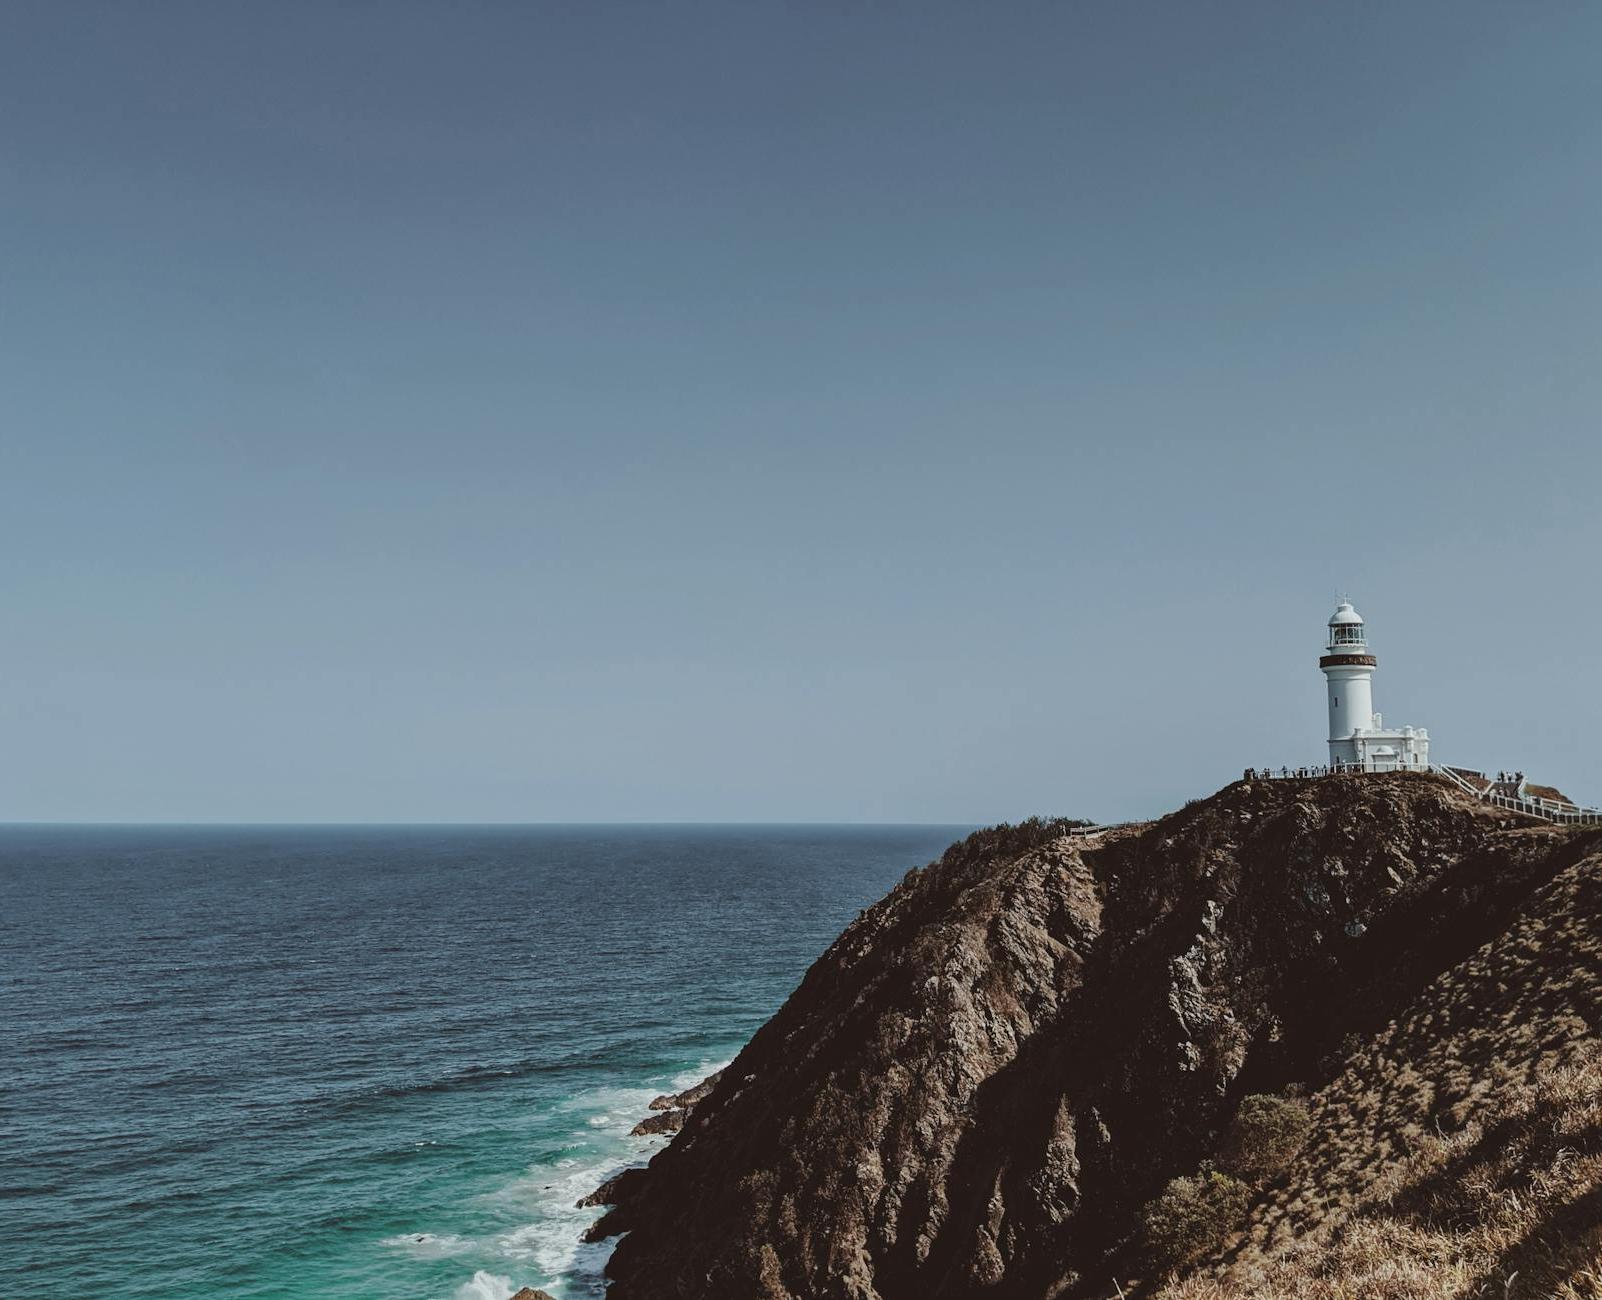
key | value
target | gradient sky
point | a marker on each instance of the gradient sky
(910, 412)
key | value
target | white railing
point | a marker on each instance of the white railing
(1462, 784)
(1548, 810)
(1533, 805)
(1097, 829)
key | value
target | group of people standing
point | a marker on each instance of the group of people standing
(1285, 773)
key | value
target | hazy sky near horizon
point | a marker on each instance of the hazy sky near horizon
(746, 411)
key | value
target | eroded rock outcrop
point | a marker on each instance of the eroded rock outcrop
(689, 1097)
(671, 1111)
(666, 1121)
(975, 1088)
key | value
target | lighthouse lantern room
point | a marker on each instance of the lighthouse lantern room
(1358, 739)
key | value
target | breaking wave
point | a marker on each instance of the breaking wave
(539, 1225)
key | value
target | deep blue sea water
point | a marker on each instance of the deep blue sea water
(374, 1062)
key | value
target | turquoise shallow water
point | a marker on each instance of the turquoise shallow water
(374, 1062)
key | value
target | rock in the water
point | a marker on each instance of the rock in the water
(674, 1109)
(688, 1098)
(614, 1191)
(530, 1293)
(664, 1121)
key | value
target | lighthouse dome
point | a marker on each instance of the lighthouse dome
(1346, 629)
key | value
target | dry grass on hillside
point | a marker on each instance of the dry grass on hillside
(1459, 1154)
(1509, 1208)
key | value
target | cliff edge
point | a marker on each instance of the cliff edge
(978, 1087)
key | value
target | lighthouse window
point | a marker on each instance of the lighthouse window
(1349, 634)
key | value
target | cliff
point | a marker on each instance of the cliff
(978, 1087)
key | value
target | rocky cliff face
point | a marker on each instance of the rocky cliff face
(973, 1091)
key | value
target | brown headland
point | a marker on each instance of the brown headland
(1322, 1038)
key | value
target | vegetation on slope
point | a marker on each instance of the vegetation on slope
(1508, 1205)
(1458, 1153)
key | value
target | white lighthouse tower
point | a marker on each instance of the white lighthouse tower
(1358, 740)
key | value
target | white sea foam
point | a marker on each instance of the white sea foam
(550, 1223)
(689, 1078)
(486, 1286)
(549, 1193)
(543, 1247)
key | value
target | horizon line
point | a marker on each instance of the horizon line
(8, 824)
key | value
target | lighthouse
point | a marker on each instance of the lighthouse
(1358, 739)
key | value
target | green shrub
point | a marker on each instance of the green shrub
(1263, 1137)
(1192, 1217)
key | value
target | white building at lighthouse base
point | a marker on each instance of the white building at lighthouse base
(1375, 749)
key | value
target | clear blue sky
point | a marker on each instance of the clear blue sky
(927, 412)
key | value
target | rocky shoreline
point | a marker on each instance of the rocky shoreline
(670, 1112)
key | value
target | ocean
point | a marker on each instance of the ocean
(374, 1062)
